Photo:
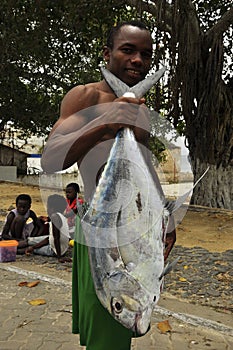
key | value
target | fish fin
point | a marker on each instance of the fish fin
(118, 86)
(172, 206)
(169, 267)
(146, 84)
(139, 90)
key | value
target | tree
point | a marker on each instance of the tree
(46, 48)
(49, 46)
(200, 87)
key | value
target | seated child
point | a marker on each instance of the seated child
(57, 242)
(72, 191)
(16, 226)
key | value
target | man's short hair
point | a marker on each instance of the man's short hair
(75, 186)
(56, 202)
(114, 30)
(24, 197)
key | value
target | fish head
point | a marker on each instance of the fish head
(129, 312)
(129, 302)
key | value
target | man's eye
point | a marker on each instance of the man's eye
(128, 51)
(147, 55)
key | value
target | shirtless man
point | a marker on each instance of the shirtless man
(90, 118)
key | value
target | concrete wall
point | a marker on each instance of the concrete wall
(13, 157)
(59, 181)
(170, 171)
(53, 181)
(8, 173)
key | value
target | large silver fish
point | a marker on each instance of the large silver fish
(125, 227)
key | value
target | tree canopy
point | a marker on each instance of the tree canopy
(48, 46)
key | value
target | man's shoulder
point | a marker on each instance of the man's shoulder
(83, 95)
(95, 88)
(32, 214)
(90, 88)
(56, 219)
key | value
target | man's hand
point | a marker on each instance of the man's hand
(169, 243)
(29, 250)
(126, 112)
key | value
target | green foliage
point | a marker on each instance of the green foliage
(157, 149)
(49, 46)
(209, 13)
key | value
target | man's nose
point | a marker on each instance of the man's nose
(137, 58)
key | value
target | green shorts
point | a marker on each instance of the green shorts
(97, 328)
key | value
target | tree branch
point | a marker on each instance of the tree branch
(221, 26)
(153, 9)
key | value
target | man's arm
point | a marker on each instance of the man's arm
(56, 226)
(38, 225)
(78, 130)
(7, 226)
(42, 243)
(170, 237)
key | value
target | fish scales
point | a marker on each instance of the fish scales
(125, 226)
(124, 232)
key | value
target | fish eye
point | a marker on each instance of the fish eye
(117, 305)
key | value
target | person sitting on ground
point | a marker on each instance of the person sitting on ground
(72, 197)
(17, 226)
(56, 243)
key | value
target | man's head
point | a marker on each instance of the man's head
(23, 203)
(55, 204)
(128, 51)
(72, 189)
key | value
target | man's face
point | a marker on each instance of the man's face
(130, 58)
(22, 206)
(71, 193)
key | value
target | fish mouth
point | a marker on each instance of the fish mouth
(137, 319)
(142, 322)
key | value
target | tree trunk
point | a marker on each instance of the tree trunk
(199, 95)
(215, 190)
(207, 108)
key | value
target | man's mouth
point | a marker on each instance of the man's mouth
(134, 72)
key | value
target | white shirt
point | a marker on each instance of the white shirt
(64, 235)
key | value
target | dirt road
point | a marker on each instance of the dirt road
(209, 228)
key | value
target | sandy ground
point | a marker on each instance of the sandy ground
(204, 227)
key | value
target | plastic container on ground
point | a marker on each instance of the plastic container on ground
(8, 250)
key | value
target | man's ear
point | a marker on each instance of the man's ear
(106, 53)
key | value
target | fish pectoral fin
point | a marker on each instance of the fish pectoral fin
(130, 266)
(178, 203)
(117, 85)
(146, 84)
(115, 276)
(169, 267)
(138, 90)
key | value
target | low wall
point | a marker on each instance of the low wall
(8, 173)
(173, 177)
(178, 177)
(51, 180)
(61, 180)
